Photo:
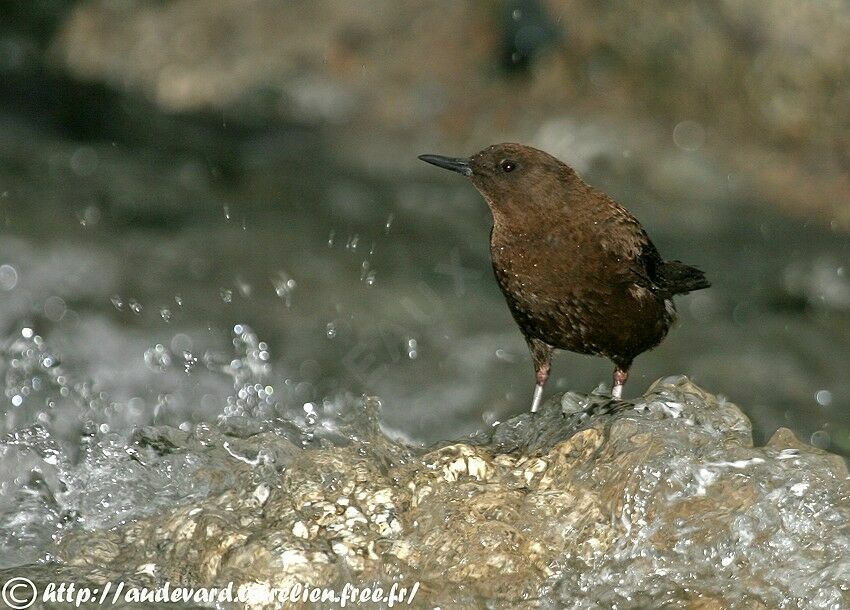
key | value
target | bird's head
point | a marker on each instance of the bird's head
(514, 178)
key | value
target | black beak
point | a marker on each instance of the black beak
(455, 164)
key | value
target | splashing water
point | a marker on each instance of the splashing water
(587, 504)
(284, 287)
(73, 457)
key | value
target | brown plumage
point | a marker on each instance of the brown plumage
(577, 269)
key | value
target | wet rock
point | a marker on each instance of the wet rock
(590, 504)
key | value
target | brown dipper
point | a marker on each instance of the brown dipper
(577, 269)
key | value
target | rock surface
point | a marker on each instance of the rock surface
(590, 504)
(756, 83)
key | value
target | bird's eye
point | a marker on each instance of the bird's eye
(507, 165)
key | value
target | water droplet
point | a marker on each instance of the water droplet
(181, 342)
(54, 309)
(505, 355)
(89, 216)
(367, 274)
(284, 286)
(166, 314)
(689, 135)
(227, 212)
(353, 241)
(157, 358)
(84, 161)
(516, 14)
(8, 277)
(189, 361)
(823, 397)
(311, 417)
(244, 287)
(389, 223)
(27, 333)
(135, 306)
(331, 239)
(820, 439)
(179, 300)
(226, 295)
(330, 330)
(412, 348)
(17, 400)
(117, 302)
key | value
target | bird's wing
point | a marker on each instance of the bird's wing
(647, 266)
(626, 240)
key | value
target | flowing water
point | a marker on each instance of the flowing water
(661, 503)
(202, 274)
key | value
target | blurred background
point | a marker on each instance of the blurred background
(173, 170)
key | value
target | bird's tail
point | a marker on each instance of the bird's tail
(680, 278)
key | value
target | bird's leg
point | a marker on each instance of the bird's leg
(541, 353)
(621, 375)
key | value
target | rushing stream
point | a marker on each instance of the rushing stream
(173, 287)
(523, 516)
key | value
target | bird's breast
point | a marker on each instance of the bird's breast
(537, 264)
(574, 295)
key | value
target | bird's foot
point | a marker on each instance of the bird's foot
(538, 398)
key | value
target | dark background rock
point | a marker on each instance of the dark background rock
(214, 226)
